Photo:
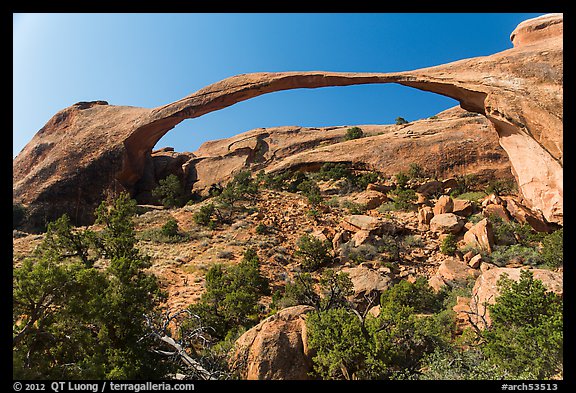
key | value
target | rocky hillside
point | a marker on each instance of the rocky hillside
(453, 236)
(363, 252)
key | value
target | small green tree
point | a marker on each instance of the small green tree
(241, 187)
(170, 192)
(449, 244)
(230, 302)
(401, 120)
(314, 252)
(18, 214)
(553, 249)
(311, 191)
(74, 321)
(353, 133)
(525, 338)
(170, 228)
(205, 216)
(340, 345)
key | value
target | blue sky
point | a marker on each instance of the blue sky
(149, 60)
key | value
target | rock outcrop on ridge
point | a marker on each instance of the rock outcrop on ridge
(91, 149)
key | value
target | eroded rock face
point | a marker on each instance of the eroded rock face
(90, 150)
(276, 348)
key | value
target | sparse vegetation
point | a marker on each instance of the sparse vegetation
(401, 121)
(230, 302)
(313, 252)
(353, 133)
(170, 192)
(448, 245)
(18, 214)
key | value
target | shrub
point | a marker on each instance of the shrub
(170, 228)
(553, 249)
(448, 245)
(502, 255)
(168, 233)
(18, 214)
(334, 171)
(416, 171)
(353, 207)
(311, 190)
(170, 192)
(401, 180)
(299, 291)
(401, 120)
(404, 199)
(241, 187)
(394, 343)
(501, 187)
(230, 301)
(472, 196)
(362, 181)
(58, 303)
(314, 252)
(525, 339)
(261, 229)
(204, 216)
(353, 133)
(341, 349)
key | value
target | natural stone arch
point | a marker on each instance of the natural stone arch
(519, 90)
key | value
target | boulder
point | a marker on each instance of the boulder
(378, 187)
(526, 216)
(374, 225)
(370, 198)
(444, 204)
(480, 236)
(430, 188)
(366, 280)
(276, 348)
(496, 210)
(362, 237)
(425, 214)
(340, 238)
(475, 261)
(462, 207)
(455, 272)
(486, 290)
(446, 223)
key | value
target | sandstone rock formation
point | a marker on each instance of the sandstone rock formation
(276, 348)
(91, 149)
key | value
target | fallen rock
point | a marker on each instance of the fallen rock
(480, 236)
(366, 280)
(462, 207)
(276, 348)
(425, 214)
(430, 188)
(370, 198)
(526, 216)
(374, 225)
(496, 210)
(446, 223)
(475, 261)
(455, 272)
(444, 204)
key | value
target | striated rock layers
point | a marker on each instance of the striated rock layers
(91, 149)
